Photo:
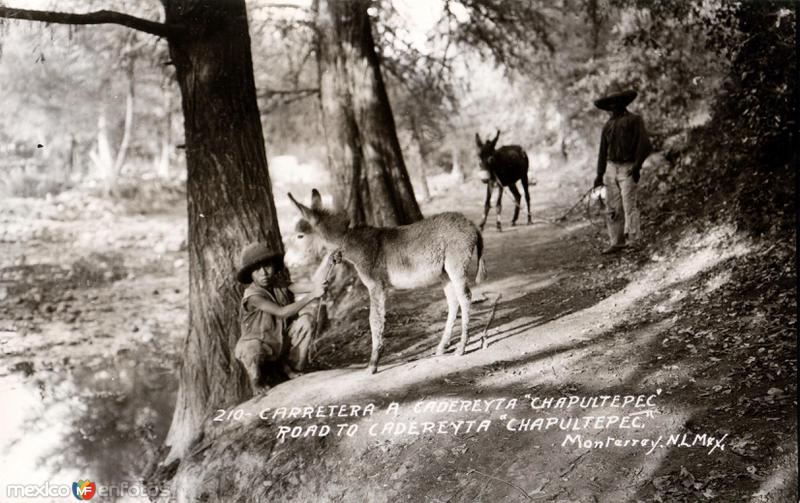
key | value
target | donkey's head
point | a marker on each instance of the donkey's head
(326, 225)
(486, 155)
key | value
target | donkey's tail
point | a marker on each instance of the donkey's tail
(481, 275)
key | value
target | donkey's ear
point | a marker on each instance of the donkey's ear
(303, 210)
(494, 142)
(478, 140)
(316, 200)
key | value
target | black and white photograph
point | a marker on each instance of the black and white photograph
(434, 251)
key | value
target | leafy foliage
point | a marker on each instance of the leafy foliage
(747, 173)
(505, 30)
(758, 108)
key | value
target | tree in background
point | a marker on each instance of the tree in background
(49, 77)
(370, 179)
(228, 188)
(286, 79)
(423, 88)
(423, 85)
(44, 100)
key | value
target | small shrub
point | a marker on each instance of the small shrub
(98, 268)
(18, 184)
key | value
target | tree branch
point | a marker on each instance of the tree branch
(272, 92)
(97, 17)
(288, 6)
(282, 98)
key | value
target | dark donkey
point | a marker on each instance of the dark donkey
(504, 166)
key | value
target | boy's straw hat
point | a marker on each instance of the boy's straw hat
(254, 256)
(616, 100)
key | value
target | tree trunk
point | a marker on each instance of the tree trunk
(594, 18)
(229, 201)
(162, 158)
(108, 165)
(70, 164)
(371, 181)
(101, 158)
(127, 127)
(456, 171)
(416, 136)
(161, 161)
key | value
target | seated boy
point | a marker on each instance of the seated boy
(271, 330)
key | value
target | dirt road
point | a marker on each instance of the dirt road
(602, 382)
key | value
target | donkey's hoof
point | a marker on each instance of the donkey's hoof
(514, 224)
(499, 227)
(439, 352)
(460, 351)
(372, 370)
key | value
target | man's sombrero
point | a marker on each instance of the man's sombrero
(615, 101)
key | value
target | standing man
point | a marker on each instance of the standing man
(624, 145)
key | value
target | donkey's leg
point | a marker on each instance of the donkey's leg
(452, 310)
(517, 199)
(527, 196)
(487, 203)
(464, 299)
(456, 263)
(499, 206)
(377, 316)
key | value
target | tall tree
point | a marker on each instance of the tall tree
(371, 181)
(229, 192)
(109, 165)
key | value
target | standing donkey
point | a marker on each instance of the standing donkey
(505, 166)
(434, 249)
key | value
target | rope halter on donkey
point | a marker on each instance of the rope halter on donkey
(333, 259)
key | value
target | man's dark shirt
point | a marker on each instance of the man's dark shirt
(624, 139)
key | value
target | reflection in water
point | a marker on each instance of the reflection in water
(103, 421)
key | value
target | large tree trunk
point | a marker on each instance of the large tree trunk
(229, 198)
(371, 181)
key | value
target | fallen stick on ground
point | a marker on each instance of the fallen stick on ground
(573, 464)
